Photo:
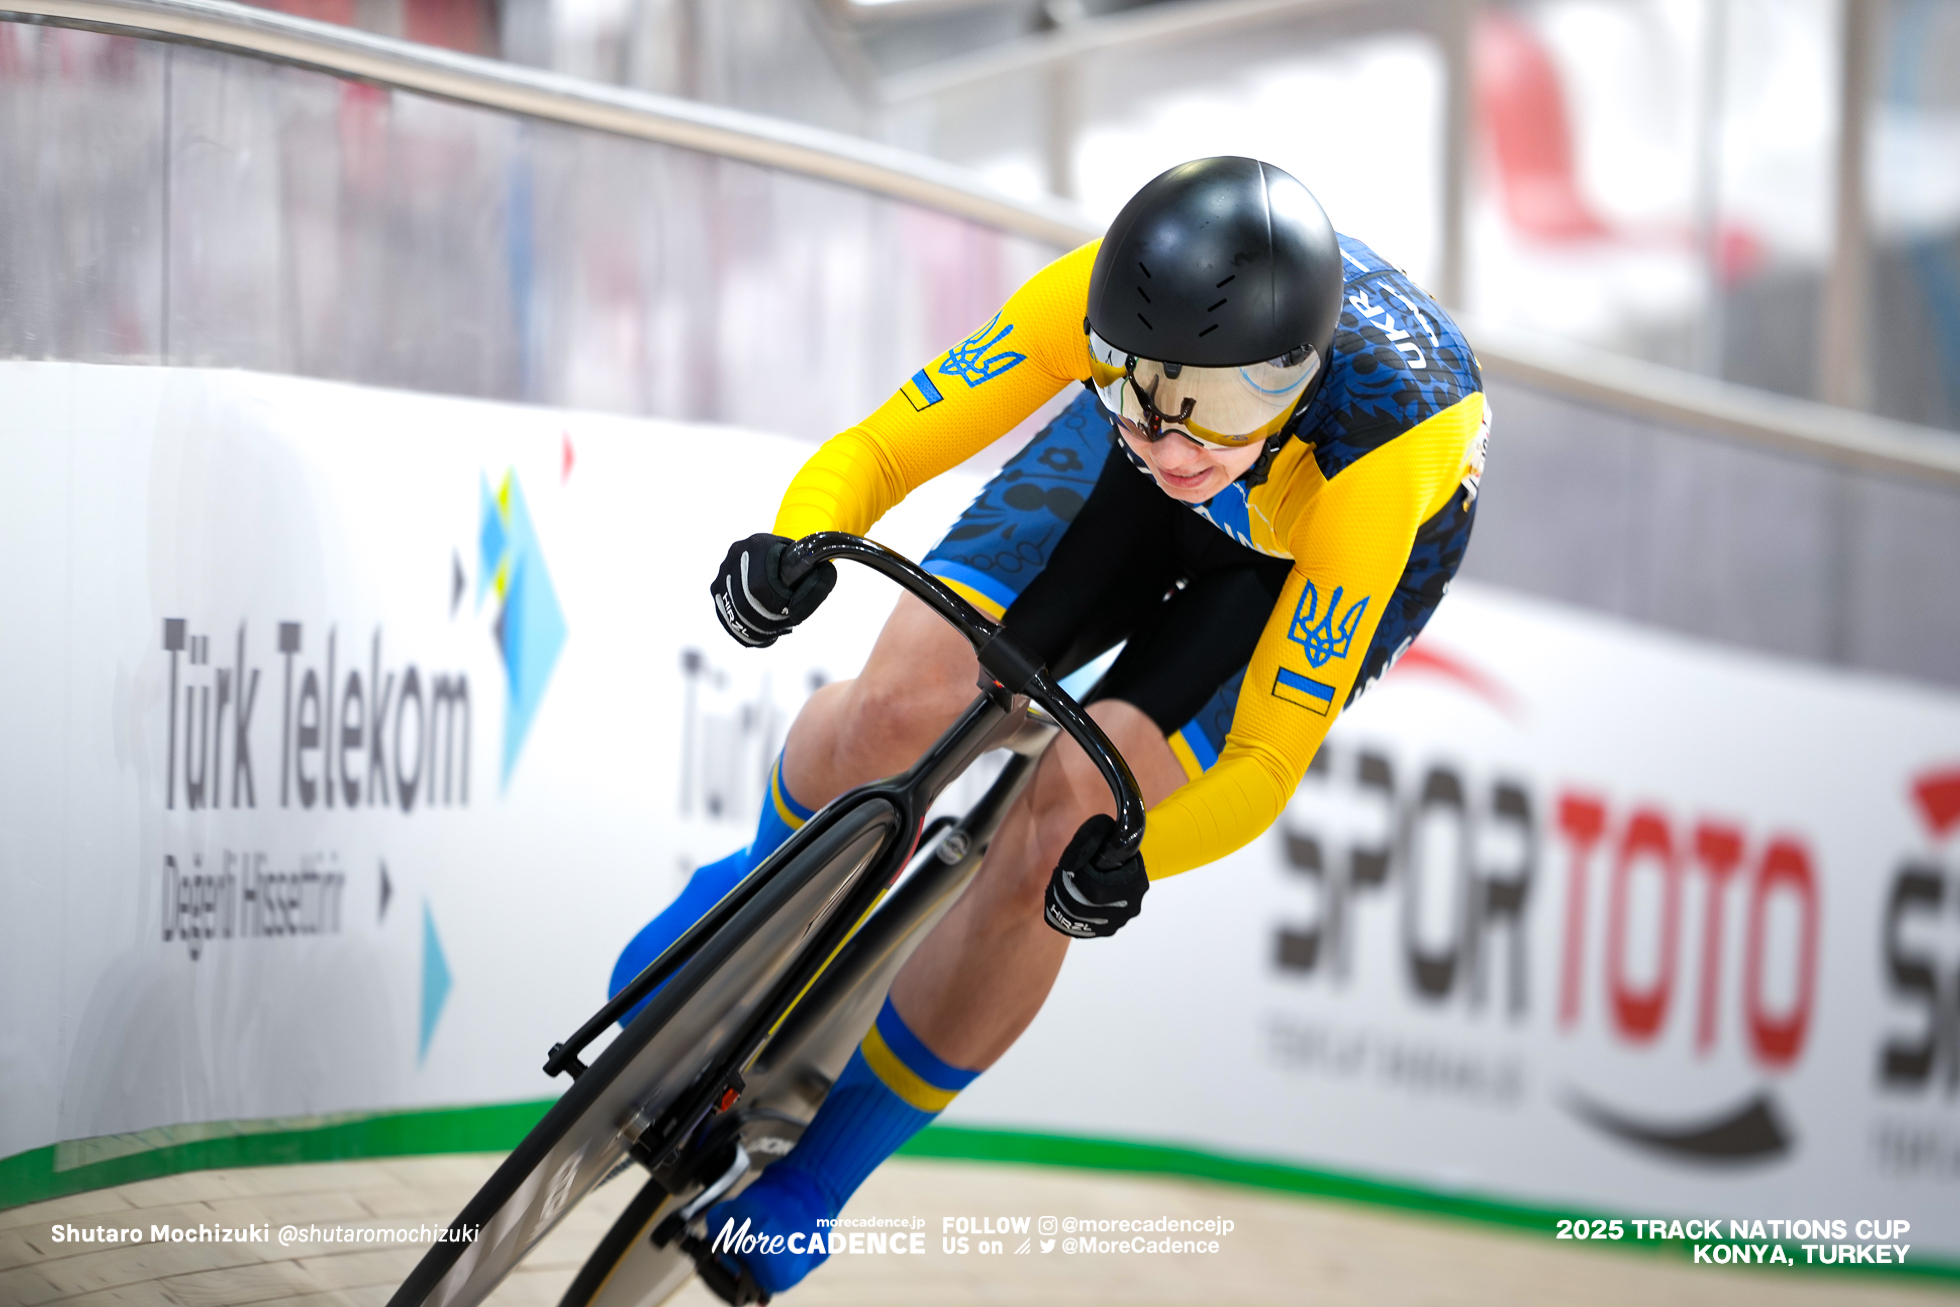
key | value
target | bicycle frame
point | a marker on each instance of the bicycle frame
(870, 833)
(1010, 666)
(633, 1265)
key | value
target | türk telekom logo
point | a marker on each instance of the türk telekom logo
(530, 626)
(350, 723)
(351, 726)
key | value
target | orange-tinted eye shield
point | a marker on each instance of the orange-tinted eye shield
(1219, 407)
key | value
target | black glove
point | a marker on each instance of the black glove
(1083, 899)
(753, 602)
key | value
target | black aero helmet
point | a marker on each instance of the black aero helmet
(1213, 300)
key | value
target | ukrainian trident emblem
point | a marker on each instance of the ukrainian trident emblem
(1325, 633)
(969, 360)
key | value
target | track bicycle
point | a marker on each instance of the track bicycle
(752, 1013)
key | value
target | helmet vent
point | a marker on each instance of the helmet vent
(1221, 285)
(1214, 308)
(1145, 321)
(1208, 330)
(1146, 271)
(1146, 294)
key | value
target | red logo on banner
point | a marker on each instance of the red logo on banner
(1426, 658)
(1647, 840)
(1938, 796)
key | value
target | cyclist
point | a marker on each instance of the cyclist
(1266, 494)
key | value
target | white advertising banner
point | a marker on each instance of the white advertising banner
(350, 733)
(1572, 912)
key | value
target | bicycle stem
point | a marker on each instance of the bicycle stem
(1005, 661)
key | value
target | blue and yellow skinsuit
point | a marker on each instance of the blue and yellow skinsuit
(1280, 599)
(1372, 503)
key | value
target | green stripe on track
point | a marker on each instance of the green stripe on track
(67, 1168)
(106, 1161)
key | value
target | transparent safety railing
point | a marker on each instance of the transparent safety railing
(1678, 525)
(172, 204)
(167, 203)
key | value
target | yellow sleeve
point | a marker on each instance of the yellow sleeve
(1349, 548)
(953, 407)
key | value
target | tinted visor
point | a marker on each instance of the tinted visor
(1214, 406)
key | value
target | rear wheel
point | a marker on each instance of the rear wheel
(628, 1269)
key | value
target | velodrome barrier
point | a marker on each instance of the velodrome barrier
(352, 731)
(256, 190)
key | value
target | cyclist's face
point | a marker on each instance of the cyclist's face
(1190, 472)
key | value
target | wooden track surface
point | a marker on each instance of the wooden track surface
(1283, 1249)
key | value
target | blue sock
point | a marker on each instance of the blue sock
(893, 1086)
(781, 816)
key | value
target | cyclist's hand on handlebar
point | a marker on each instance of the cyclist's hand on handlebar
(1085, 900)
(754, 602)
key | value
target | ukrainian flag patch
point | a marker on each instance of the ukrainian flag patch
(1314, 696)
(919, 392)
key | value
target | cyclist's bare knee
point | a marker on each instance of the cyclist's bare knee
(921, 672)
(1068, 789)
(920, 663)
